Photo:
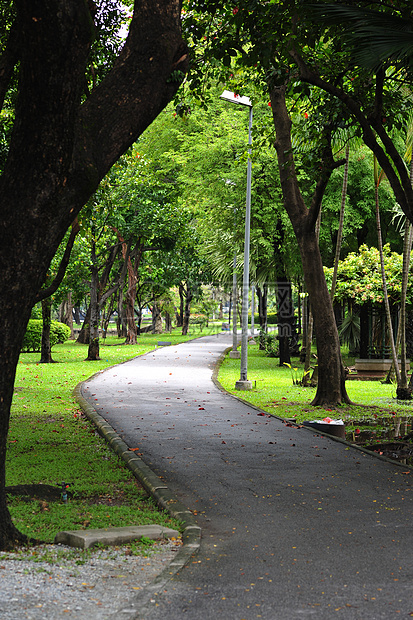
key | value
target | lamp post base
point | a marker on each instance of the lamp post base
(243, 385)
(235, 355)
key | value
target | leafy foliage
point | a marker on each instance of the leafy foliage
(59, 333)
(359, 277)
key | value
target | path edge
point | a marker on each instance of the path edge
(157, 489)
(219, 385)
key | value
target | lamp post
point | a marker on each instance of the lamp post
(244, 383)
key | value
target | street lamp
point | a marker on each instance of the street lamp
(243, 383)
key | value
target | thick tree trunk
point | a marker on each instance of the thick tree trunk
(180, 314)
(46, 349)
(168, 321)
(66, 312)
(131, 270)
(331, 380)
(156, 319)
(121, 320)
(84, 334)
(61, 148)
(76, 312)
(93, 350)
(331, 375)
(15, 313)
(132, 330)
(220, 311)
(262, 312)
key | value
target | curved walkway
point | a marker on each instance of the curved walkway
(293, 524)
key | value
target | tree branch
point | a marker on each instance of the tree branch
(144, 78)
(399, 178)
(328, 165)
(378, 95)
(108, 293)
(46, 292)
(283, 146)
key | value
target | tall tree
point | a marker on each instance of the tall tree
(283, 48)
(63, 143)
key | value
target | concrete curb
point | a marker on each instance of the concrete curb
(191, 535)
(85, 539)
(311, 430)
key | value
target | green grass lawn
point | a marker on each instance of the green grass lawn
(51, 442)
(275, 393)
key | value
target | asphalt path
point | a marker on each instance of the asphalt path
(295, 525)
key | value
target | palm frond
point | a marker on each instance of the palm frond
(377, 38)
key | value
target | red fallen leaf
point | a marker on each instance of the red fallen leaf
(133, 449)
(201, 408)
(405, 472)
(223, 441)
(260, 413)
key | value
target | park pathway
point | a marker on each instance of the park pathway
(294, 525)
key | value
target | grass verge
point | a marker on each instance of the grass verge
(275, 393)
(50, 442)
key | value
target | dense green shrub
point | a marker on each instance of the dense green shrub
(59, 332)
(271, 318)
(269, 342)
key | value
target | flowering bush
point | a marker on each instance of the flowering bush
(359, 276)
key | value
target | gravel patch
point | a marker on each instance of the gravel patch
(55, 581)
